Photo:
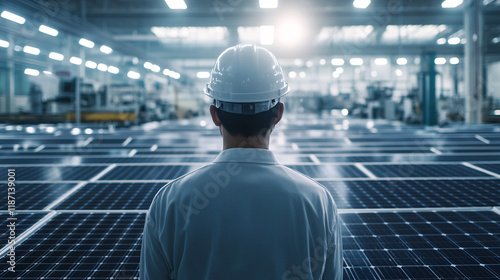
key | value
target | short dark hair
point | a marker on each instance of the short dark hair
(248, 125)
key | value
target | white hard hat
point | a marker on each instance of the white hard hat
(246, 79)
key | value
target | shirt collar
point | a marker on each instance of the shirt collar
(250, 155)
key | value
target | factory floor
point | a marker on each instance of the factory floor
(416, 202)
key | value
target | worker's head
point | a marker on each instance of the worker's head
(246, 85)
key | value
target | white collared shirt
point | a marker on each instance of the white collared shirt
(242, 217)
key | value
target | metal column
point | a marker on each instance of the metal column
(473, 66)
(427, 86)
(11, 95)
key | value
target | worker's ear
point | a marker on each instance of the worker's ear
(281, 109)
(213, 113)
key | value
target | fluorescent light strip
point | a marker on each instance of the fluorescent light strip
(133, 75)
(4, 44)
(268, 4)
(203, 75)
(56, 56)
(113, 69)
(48, 30)
(361, 4)
(31, 72)
(176, 4)
(31, 50)
(90, 64)
(105, 49)
(13, 17)
(75, 60)
(102, 67)
(86, 43)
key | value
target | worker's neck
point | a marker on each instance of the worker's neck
(256, 142)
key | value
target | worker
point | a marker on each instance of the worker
(244, 216)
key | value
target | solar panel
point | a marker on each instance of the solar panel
(495, 168)
(151, 172)
(82, 246)
(424, 170)
(414, 193)
(148, 159)
(329, 171)
(461, 245)
(22, 223)
(36, 196)
(112, 196)
(56, 173)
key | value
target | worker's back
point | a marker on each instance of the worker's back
(242, 217)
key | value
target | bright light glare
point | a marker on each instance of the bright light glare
(148, 65)
(291, 31)
(166, 72)
(30, 129)
(402, 61)
(56, 56)
(451, 3)
(381, 61)
(335, 74)
(440, 61)
(176, 4)
(203, 75)
(496, 112)
(322, 61)
(31, 50)
(441, 41)
(88, 131)
(292, 74)
(361, 4)
(47, 72)
(370, 124)
(175, 75)
(31, 72)
(356, 61)
(454, 60)
(86, 43)
(155, 68)
(133, 75)
(75, 60)
(75, 131)
(339, 70)
(399, 72)
(90, 64)
(203, 123)
(48, 30)
(302, 74)
(337, 61)
(268, 4)
(345, 112)
(454, 41)
(13, 17)
(50, 129)
(113, 70)
(105, 49)
(4, 44)
(267, 35)
(102, 67)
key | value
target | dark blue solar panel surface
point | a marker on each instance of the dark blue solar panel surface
(414, 193)
(150, 172)
(495, 168)
(22, 222)
(81, 246)
(424, 245)
(424, 170)
(329, 171)
(377, 244)
(112, 196)
(36, 196)
(56, 173)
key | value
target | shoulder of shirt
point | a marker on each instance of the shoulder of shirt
(306, 177)
(169, 184)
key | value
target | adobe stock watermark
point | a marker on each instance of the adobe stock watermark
(311, 264)
(11, 221)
